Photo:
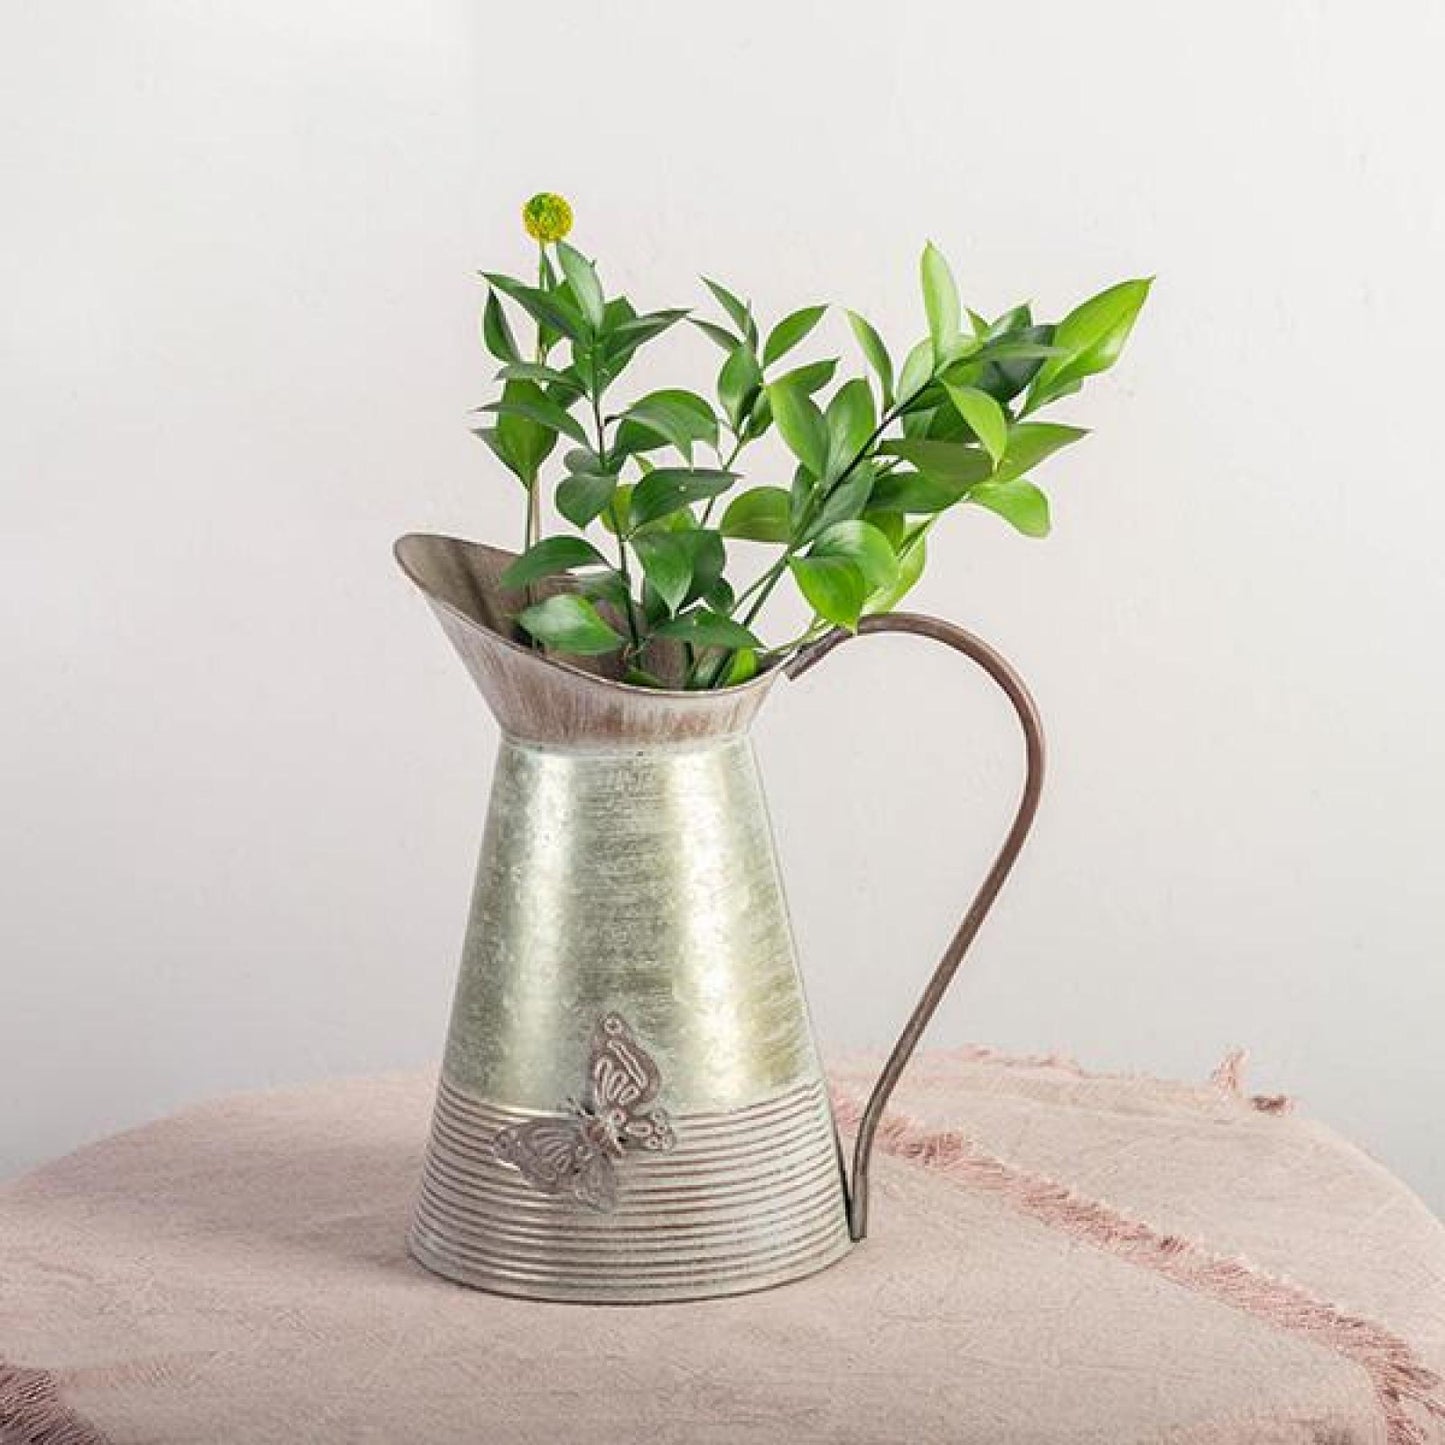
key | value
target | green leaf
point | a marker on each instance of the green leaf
(543, 375)
(720, 597)
(1016, 318)
(944, 461)
(812, 377)
(1002, 373)
(863, 545)
(524, 441)
(987, 418)
(667, 489)
(709, 560)
(850, 420)
(740, 312)
(608, 586)
(680, 418)
(758, 515)
(582, 459)
(570, 624)
(1031, 442)
(492, 437)
(759, 418)
(547, 308)
(912, 558)
(1019, 351)
(617, 517)
(738, 383)
(833, 587)
(497, 331)
(548, 557)
(1091, 337)
(1018, 502)
(916, 494)
(893, 525)
(800, 423)
(800, 497)
(525, 398)
(582, 278)
(940, 299)
(960, 350)
(790, 331)
(703, 627)
(743, 667)
(667, 562)
(582, 497)
(875, 352)
(846, 500)
(917, 372)
(624, 334)
(719, 334)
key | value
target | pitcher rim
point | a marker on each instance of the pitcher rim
(765, 677)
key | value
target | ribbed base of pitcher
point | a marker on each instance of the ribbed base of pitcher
(747, 1199)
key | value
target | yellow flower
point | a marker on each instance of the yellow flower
(547, 217)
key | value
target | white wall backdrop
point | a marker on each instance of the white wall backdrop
(243, 778)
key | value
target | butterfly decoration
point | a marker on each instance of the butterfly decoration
(576, 1153)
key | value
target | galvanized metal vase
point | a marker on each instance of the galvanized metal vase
(631, 1105)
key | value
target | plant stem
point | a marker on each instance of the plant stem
(533, 529)
(727, 465)
(600, 430)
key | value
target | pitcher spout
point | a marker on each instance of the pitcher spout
(537, 698)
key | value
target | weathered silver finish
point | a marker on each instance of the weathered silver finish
(748, 1198)
(628, 872)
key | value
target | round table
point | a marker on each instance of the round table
(1055, 1256)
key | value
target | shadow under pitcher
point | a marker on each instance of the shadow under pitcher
(631, 1106)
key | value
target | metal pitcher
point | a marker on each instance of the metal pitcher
(631, 1105)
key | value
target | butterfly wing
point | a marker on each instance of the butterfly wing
(651, 1129)
(550, 1153)
(573, 1153)
(621, 1073)
(595, 1184)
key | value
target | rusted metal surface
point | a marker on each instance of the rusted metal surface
(1027, 712)
(538, 699)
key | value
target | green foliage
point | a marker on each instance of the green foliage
(550, 556)
(1018, 502)
(758, 515)
(833, 586)
(582, 497)
(800, 424)
(875, 353)
(1089, 340)
(940, 300)
(570, 624)
(670, 489)
(986, 418)
(873, 462)
(668, 418)
(790, 331)
(703, 627)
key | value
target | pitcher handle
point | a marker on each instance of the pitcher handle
(1007, 679)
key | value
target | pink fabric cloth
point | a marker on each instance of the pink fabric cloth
(1054, 1257)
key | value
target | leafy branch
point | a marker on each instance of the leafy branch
(876, 459)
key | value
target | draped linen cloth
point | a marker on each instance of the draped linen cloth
(1054, 1257)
